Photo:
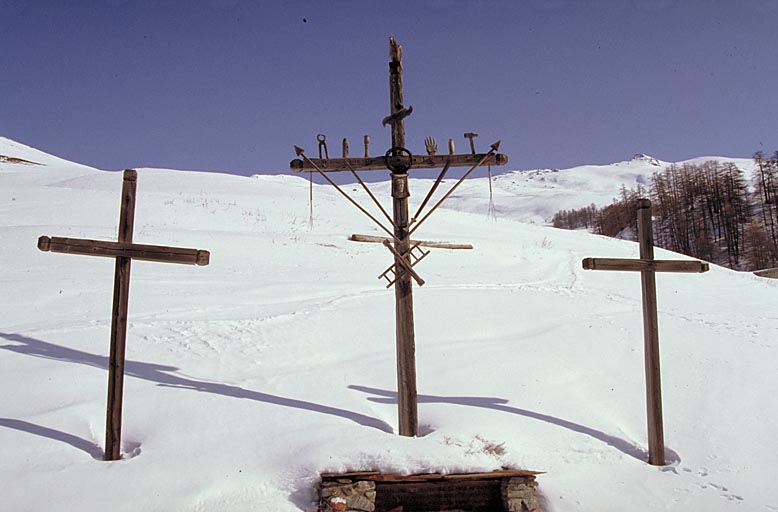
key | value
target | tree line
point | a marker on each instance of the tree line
(706, 211)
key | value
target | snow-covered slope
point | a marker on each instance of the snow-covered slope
(15, 153)
(249, 377)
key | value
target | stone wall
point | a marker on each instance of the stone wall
(347, 495)
(519, 494)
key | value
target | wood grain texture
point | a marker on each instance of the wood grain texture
(421, 243)
(121, 297)
(641, 265)
(378, 163)
(158, 253)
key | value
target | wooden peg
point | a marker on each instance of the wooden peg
(345, 147)
(450, 146)
(367, 146)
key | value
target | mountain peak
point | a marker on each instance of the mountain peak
(641, 157)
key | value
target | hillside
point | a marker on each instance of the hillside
(249, 377)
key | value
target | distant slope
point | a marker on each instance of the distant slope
(15, 155)
(536, 195)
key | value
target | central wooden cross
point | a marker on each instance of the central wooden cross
(399, 161)
(124, 251)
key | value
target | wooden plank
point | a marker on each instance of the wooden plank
(357, 475)
(158, 253)
(656, 443)
(771, 273)
(406, 478)
(642, 265)
(421, 243)
(407, 398)
(377, 476)
(121, 297)
(378, 163)
(492, 474)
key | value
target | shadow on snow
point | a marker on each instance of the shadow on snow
(89, 447)
(164, 376)
(500, 404)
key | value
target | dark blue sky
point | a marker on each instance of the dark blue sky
(232, 85)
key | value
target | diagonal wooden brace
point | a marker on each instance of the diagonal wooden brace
(391, 269)
(406, 266)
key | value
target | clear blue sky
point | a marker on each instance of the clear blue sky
(232, 85)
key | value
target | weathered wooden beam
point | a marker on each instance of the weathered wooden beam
(772, 273)
(378, 476)
(378, 163)
(106, 249)
(625, 264)
(121, 298)
(654, 415)
(421, 243)
(407, 396)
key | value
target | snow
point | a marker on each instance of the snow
(249, 377)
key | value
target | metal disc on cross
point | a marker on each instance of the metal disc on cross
(398, 160)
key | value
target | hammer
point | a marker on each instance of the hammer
(471, 136)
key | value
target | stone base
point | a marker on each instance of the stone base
(506, 491)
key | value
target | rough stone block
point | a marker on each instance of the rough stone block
(361, 503)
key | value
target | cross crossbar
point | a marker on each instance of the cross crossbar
(420, 243)
(158, 253)
(625, 264)
(379, 163)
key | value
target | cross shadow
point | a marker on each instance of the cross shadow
(499, 404)
(76, 442)
(164, 376)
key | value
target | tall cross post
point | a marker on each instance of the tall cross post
(403, 289)
(648, 266)
(124, 251)
(399, 160)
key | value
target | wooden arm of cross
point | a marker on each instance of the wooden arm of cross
(626, 265)
(404, 263)
(378, 163)
(421, 243)
(157, 253)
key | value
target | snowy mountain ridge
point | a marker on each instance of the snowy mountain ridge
(533, 195)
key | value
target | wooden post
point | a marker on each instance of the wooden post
(648, 266)
(656, 438)
(124, 250)
(403, 291)
(121, 297)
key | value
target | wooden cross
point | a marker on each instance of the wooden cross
(399, 161)
(648, 266)
(124, 251)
